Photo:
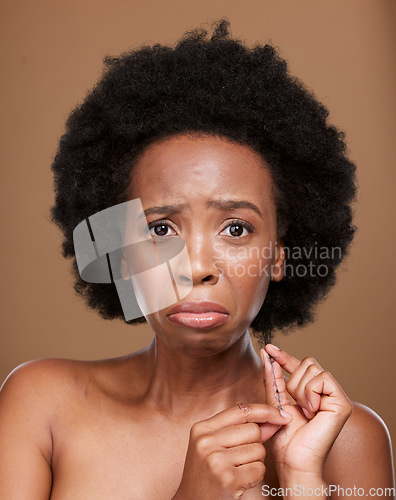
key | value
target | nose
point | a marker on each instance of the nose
(203, 266)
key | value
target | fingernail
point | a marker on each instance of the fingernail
(262, 355)
(307, 414)
(310, 406)
(273, 347)
(285, 414)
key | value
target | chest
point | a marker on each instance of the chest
(102, 457)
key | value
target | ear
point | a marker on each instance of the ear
(278, 268)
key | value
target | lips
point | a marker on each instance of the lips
(198, 314)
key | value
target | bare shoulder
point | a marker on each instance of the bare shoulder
(38, 397)
(42, 380)
(364, 418)
(48, 383)
(364, 430)
(29, 400)
(362, 453)
(37, 389)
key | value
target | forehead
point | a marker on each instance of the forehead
(204, 166)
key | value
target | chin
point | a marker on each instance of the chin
(198, 343)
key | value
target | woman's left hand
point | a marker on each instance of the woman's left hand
(320, 411)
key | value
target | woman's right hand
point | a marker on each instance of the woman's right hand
(225, 454)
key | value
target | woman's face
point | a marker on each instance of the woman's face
(217, 196)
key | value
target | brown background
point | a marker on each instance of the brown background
(51, 55)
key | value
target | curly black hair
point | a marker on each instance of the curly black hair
(214, 84)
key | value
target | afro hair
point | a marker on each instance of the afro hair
(214, 84)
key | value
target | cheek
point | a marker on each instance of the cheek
(248, 271)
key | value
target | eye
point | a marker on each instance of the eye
(161, 228)
(238, 229)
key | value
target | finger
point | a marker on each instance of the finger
(307, 401)
(249, 475)
(307, 369)
(237, 435)
(334, 410)
(244, 454)
(324, 389)
(305, 365)
(275, 387)
(267, 431)
(243, 413)
(286, 361)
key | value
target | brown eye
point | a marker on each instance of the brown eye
(236, 230)
(161, 230)
(158, 229)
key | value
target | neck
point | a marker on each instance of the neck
(181, 385)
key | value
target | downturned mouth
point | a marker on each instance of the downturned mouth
(198, 307)
(198, 314)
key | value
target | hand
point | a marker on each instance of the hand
(321, 410)
(225, 453)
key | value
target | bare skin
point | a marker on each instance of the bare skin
(165, 423)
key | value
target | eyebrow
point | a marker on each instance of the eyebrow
(220, 204)
(234, 205)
